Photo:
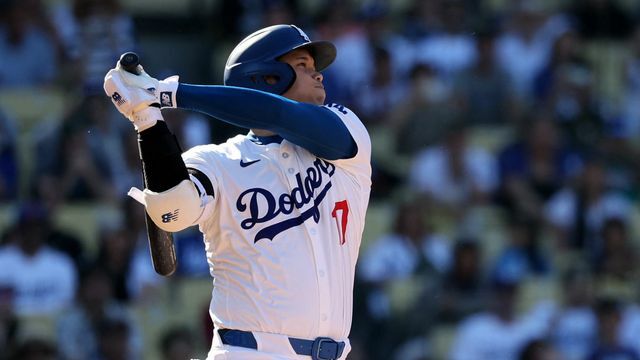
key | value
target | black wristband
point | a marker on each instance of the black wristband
(162, 162)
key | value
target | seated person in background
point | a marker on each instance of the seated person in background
(78, 329)
(80, 173)
(574, 325)
(453, 173)
(578, 212)
(609, 315)
(423, 117)
(539, 350)
(523, 256)
(43, 280)
(412, 247)
(399, 272)
(382, 93)
(463, 286)
(8, 158)
(177, 343)
(616, 261)
(499, 333)
(28, 53)
(483, 89)
(534, 167)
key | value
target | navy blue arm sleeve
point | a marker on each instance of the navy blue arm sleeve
(312, 127)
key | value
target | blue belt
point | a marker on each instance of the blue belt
(322, 348)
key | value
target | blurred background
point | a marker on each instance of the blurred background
(503, 222)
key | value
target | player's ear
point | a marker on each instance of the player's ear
(271, 79)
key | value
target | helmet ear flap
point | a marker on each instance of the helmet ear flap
(271, 76)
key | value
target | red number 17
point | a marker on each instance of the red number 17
(341, 222)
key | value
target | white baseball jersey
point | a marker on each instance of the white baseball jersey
(283, 233)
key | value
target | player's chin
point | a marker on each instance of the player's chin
(319, 96)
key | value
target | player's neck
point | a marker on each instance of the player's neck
(261, 132)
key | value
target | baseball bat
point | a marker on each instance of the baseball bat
(161, 245)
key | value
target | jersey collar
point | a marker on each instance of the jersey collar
(264, 140)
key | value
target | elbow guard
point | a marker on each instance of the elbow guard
(175, 209)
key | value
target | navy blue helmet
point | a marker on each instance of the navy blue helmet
(256, 57)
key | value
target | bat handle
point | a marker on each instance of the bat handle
(129, 61)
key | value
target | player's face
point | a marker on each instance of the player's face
(308, 85)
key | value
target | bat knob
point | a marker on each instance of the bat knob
(129, 61)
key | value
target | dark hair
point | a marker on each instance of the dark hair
(83, 8)
(175, 334)
(111, 326)
(532, 348)
(607, 306)
(614, 223)
(463, 245)
(34, 348)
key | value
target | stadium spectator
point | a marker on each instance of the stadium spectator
(78, 329)
(463, 288)
(608, 346)
(425, 114)
(43, 280)
(483, 89)
(103, 31)
(500, 333)
(177, 343)
(8, 158)
(524, 46)
(523, 256)
(451, 49)
(381, 93)
(538, 350)
(579, 212)
(24, 47)
(615, 262)
(574, 325)
(411, 249)
(601, 19)
(454, 173)
(534, 167)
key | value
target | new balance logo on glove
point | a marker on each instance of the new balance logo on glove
(118, 99)
(170, 216)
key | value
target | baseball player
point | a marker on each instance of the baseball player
(281, 208)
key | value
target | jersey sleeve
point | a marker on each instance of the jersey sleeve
(201, 158)
(360, 164)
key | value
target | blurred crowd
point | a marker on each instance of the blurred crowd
(504, 211)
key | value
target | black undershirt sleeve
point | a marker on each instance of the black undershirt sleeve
(162, 162)
(204, 180)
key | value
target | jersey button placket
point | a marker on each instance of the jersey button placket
(287, 159)
(324, 288)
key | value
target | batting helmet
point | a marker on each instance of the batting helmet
(256, 57)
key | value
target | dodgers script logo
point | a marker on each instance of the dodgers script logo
(301, 195)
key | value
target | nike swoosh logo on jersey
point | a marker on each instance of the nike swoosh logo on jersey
(245, 164)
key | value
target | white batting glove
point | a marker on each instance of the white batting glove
(132, 102)
(164, 90)
(146, 118)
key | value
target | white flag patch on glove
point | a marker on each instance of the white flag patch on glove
(127, 99)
